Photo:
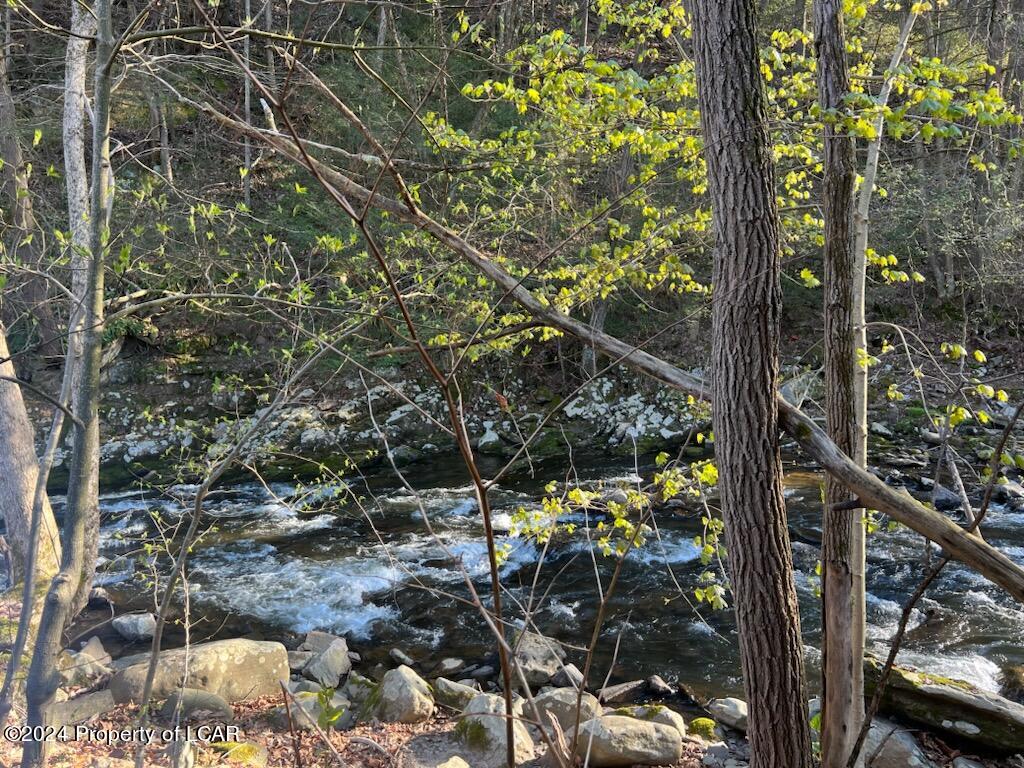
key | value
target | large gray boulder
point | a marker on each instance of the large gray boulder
(655, 713)
(134, 627)
(482, 730)
(560, 703)
(731, 712)
(190, 703)
(540, 658)
(889, 746)
(330, 665)
(404, 697)
(614, 741)
(236, 670)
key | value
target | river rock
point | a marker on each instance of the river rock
(452, 694)
(482, 729)
(359, 688)
(731, 712)
(893, 747)
(880, 429)
(953, 706)
(614, 741)
(309, 713)
(134, 627)
(963, 762)
(1010, 491)
(400, 657)
(569, 676)
(404, 697)
(83, 707)
(539, 658)
(560, 703)
(1011, 683)
(299, 659)
(450, 666)
(317, 641)
(655, 713)
(329, 665)
(193, 702)
(656, 686)
(236, 670)
(623, 693)
(86, 666)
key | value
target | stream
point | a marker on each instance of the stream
(358, 560)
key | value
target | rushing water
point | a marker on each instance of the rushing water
(289, 558)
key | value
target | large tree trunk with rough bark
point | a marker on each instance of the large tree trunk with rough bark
(746, 314)
(843, 530)
(18, 473)
(80, 512)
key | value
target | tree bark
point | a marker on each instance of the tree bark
(18, 473)
(843, 529)
(81, 505)
(746, 311)
(76, 180)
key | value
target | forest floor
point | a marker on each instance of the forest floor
(367, 745)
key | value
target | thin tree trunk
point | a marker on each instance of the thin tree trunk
(862, 221)
(843, 530)
(247, 86)
(76, 180)
(80, 507)
(746, 311)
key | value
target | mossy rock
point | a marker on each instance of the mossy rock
(241, 753)
(953, 706)
(703, 727)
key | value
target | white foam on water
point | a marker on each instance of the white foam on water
(972, 668)
(668, 548)
(298, 593)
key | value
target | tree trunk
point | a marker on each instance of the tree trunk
(81, 505)
(18, 473)
(746, 310)
(862, 221)
(76, 180)
(842, 554)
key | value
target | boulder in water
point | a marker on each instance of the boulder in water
(134, 627)
(540, 658)
(953, 706)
